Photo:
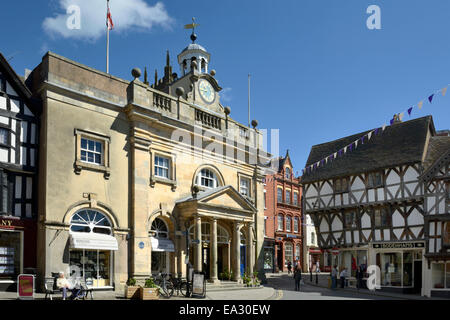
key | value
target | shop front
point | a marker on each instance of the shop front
(269, 255)
(315, 263)
(352, 258)
(400, 264)
(17, 250)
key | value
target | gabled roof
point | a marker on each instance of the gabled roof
(18, 85)
(438, 154)
(400, 143)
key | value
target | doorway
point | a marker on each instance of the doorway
(417, 276)
(206, 261)
(243, 259)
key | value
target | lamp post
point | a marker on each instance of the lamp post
(188, 289)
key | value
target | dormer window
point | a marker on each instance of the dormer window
(287, 172)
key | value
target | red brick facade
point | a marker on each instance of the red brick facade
(284, 216)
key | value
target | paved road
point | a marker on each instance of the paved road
(285, 286)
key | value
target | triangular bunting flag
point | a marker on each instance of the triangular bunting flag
(335, 155)
(430, 98)
(444, 91)
(369, 135)
(384, 127)
(400, 116)
(420, 105)
(356, 143)
(409, 111)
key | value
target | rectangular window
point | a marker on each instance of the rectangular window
(295, 224)
(438, 276)
(162, 167)
(350, 219)
(341, 185)
(244, 187)
(91, 151)
(280, 222)
(382, 217)
(265, 200)
(4, 133)
(296, 198)
(375, 180)
(94, 266)
(288, 196)
(288, 223)
(280, 195)
(446, 235)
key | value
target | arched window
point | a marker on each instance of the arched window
(280, 222)
(222, 234)
(159, 229)
(90, 221)
(288, 223)
(207, 179)
(203, 65)
(296, 224)
(297, 252)
(288, 254)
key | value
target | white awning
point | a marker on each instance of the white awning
(95, 241)
(162, 245)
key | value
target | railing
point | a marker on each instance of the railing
(162, 102)
(208, 120)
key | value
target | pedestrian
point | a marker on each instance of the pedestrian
(317, 266)
(359, 277)
(343, 275)
(289, 266)
(297, 277)
(334, 274)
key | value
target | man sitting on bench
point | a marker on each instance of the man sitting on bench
(63, 284)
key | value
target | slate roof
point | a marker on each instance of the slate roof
(400, 143)
(437, 146)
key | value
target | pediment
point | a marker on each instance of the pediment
(228, 198)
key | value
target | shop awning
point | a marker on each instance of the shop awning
(162, 245)
(315, 251)
(93, 241)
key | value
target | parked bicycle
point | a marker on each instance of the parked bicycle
(180, 286)
(167, 287)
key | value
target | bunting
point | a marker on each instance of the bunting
(350, 147)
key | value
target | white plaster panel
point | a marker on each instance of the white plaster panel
(397, 219)
(365, 221)
(430, 204)
(15, 105)
(23, 156)
(327, 199)
(4, 120)
(29, 187)
(18, 210)
(358, 195)
(3, 103)
(398, 233)
(27, 111)
(377, 235)
(415, 218)
(324, 226)
(336, 224)
(348, 237)
(371, 193)
(33, 133)
(438, 228)
(356, 236)
(326, 189)
(416, 231)
(13, 156)
(4, 155)
(432, 245)
(386, 235)
(18, 187)
(380, 194)
(337, 235)
(311, 191)
(345, 198)
(13, 125)
(442, 207)
(337, 200)
(410, 175)
(438, 244)
(23, 131)
(392, 178)
(366, 233)
(358, 184)
(432, 226)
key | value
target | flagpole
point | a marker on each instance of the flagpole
(249, 100)
(107, 38)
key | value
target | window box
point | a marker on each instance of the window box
(92, 152)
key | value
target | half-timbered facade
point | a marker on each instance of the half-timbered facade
(18, 160)
(368, 205)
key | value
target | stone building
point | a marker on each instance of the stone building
(19, 129)
(384, 204)
(128, 169)
(283, 217)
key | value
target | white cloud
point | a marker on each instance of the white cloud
(225, 94)
(126, 14)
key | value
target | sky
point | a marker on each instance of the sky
(318, 73)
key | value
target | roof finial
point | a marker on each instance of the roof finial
(167, 58)
(192, 26)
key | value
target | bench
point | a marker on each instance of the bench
(51, 288)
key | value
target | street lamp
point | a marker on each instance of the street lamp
(188, 289)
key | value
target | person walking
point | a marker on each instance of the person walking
(297, 277)
(289, 266)
(343, 275)
(334, 274)
(359, 278)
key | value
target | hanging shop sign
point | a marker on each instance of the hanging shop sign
(399, 245)
(6, 224)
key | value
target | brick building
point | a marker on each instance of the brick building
(283, 217)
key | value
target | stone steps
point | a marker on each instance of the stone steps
(227, 285)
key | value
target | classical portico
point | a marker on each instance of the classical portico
(219, 217)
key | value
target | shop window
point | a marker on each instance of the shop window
(438, 275)
(340, 185)
(391, 268)
(90, 221)
(375, 180)
(407, 269)
(288, 223)
(10, 254)
(288, 196)
(288, 254)
(280, 195)
(93, 265)
(280, 222)
(268, 258)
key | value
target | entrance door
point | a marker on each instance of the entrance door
(219, 260)
(417, 276)
(205, 262)
(280, 262)
(243, 259)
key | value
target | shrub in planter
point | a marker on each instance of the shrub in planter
(150, 291)
(132, 290)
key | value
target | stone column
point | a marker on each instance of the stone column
(250, 253)
(237, 251)
(213, 252)
(198, 246)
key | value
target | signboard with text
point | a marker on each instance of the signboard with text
(399, 245)
(25, 286)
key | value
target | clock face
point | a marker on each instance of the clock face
(206, 91)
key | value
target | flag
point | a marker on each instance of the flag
(420, 104)
(369, 135)
(109, 22)
(444, 91)
(384, 127)
(409, 111)
(430, 98)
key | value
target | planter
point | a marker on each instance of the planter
(149, 293)
(132, 292)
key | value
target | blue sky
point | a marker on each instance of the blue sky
(318, 73)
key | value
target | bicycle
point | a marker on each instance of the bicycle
(180, 285)
(167, 287)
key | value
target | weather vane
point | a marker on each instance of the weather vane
(192, 26)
